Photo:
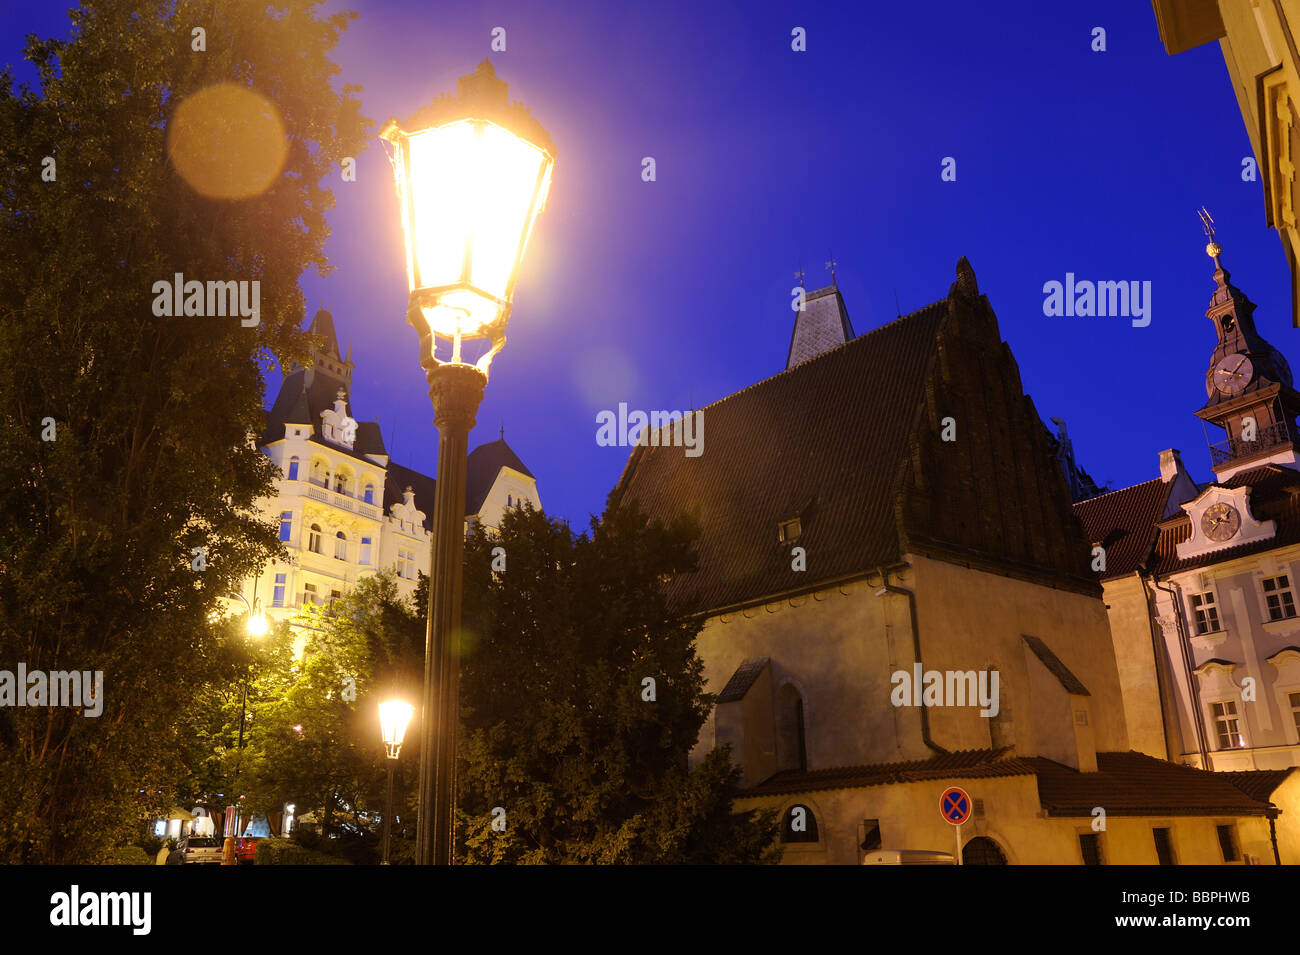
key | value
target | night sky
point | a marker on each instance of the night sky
(676, 293)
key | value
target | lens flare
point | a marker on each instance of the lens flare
(227, 142)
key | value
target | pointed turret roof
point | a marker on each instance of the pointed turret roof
(822, 325)
(323, 324)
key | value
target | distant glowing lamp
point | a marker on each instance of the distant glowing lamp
(257, 623)
(473, 172)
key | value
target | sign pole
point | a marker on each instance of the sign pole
(958, 829)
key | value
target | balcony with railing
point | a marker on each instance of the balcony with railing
(1274, 437)
(319, 491)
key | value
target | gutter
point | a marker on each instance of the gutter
(1176, 598)
(887, 588)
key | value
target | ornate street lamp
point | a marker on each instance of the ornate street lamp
(394, 715)
(473, 172)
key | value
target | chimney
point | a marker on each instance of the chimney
(1171, 464)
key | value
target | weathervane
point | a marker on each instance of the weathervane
(799, 275)
(1213, 249)
(830, 264)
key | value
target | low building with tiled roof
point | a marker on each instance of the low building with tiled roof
(896, 598)
(345, 509)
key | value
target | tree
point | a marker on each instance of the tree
(313, 737)
(128, 473)
(581, 698)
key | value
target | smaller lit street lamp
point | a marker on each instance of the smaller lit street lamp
(394, 716)
(256, 626)
(473, 172)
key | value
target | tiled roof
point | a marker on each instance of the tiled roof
(1259, 783)
(1125, 784)
(1134, 784)
(1124, 523)
(822, 441)
(1274, 495)
(1053, 663)
(964, 764)
(482, 467)
(742, 680)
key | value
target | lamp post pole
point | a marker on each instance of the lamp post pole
(388, 809)
(456, 391)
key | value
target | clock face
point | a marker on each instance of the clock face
(1232, 374)
(1220, 522)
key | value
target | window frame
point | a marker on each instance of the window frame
(1235, 718)
(1210, 608)
(1280, 597)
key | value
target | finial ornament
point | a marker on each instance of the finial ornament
(830, 264)
(798, 273)
(1213, 249)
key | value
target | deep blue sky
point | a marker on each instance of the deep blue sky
(661, 293)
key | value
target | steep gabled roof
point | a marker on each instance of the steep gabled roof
(482, 467)
(1124, 523)
(822, 440)
(964, 764)
(1260, 783)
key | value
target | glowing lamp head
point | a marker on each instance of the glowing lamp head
(394, 717)
(473, 173)
(257, 624)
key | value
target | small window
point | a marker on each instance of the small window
(789, 530)
(1090, 848)
(1294, 699)
(293, 469)
(309, 594)
(313, 539)
(1207, 614)
(1281, 602)
(286, 525)
(1164, 846)
(340, 546)
(1226, 725)
(1228, 843)
(370, 494)
(277, 597)
(365, 550)
(800, 825)
(510, 501)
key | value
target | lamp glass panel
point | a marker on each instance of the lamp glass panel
(504, 192)
(442, 176)
(393, 718)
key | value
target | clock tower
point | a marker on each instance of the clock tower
(1249, 384)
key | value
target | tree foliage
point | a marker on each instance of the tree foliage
(152, 455)
(558, 725)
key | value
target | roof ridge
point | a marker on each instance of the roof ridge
(830, 351)
(1119, 490)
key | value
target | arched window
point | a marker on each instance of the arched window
(370, 494)
(510, 501)
(313, 539)
(293, 468)
(982, 851)
(799, 825)
(791, 748)
(341, 482)
(340, 546)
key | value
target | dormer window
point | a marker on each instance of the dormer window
(789, 530)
